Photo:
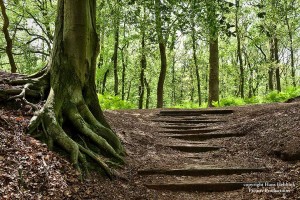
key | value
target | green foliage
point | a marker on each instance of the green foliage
(231, 101)
(111, 102)
(253, 100)
(188, 104)
(275, 96)
(271, 97)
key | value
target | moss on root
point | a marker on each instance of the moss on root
(98, 144)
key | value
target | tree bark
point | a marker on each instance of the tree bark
(213, 72)
(72, 99)
(124, 66)
(291, 41)
(173, 55)
(277, 71)
(196, 67)
(163, 56)
(239, 51)
(115, 60)
(213, 85)
(104, 81)
(9, 43)
(142, 74)
(271, 69)
(148, 90)
(194, 44)
(129, 90)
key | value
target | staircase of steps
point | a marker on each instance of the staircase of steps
(190, 127)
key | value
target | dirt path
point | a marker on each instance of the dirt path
(171, 155)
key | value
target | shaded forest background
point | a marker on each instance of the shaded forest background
(172, 53)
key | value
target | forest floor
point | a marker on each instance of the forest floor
(29, 171)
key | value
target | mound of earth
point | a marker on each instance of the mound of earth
(276, 126)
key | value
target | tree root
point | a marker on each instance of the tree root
(23, 88)
(22, 96)
(54, 133)
(91, 142)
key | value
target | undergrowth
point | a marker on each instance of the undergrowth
(111, 102)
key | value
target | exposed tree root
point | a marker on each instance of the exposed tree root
(47, 124)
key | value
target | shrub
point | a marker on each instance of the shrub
(253, 100)
(110, 102)
(231, 101)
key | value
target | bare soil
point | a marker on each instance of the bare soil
(28, 170)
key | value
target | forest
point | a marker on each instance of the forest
(138, 99)
(184, 54)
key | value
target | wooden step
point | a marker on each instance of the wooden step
(183, 127)
(189, 118)
(189, 121)
(200, 171)
(192, 148)
(197, 137)
(193, 131)
(194, 112)
(194, 186)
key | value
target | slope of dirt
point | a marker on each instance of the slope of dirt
(29, 171)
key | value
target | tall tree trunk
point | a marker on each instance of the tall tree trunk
(277, 71)
(163, 56)
(142, 74)
(213, 85)
(239, 51)
(115, 12)
(148, 91)
(115, 60)
(194, 44)
(213, 72)
(129, 90)
(104, 81)
(173, 55)
(173, 98)
(271, 68)
(9, 44)
(293, 70)
(124, 66)
(143, 62)
(72, 99)
(196, 67)
(250, 84)
(124, 60)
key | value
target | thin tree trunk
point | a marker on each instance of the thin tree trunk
(148, 90)
(173, 54)
(196, 67)
(293, 70)
(239, 52)
(115, 60)
(163, 56)
(129, 90)
(124, 59)
(142, 74)
(9, 44)
(124, 66)
(100, 84)
(271, 69)
(104, 81)
(277, 71)
(194, 44)
(173, 82)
